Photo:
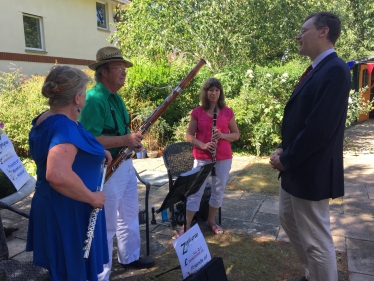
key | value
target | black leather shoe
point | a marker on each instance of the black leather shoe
(301, 279)
(139, 264)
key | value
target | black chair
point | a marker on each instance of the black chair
(12, 270)
(178, 159)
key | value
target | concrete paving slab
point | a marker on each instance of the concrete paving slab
(154, 177)
(360, 256)
(352, 226)
(260, 198)
(233, 194)
(249, 228)
(370, 190)
(149, 164)
(244, 210)
(267, 218)
(360, 277)
(359, 191)
(350, 180)
(16, 246)
(24, 256)
(270, 205)
(359, 207)
(339, 243)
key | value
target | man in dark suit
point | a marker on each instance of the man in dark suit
(310, 157)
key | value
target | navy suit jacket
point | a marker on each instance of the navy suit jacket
(313, 132)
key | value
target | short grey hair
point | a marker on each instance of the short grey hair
(63, 83)
(98, 75)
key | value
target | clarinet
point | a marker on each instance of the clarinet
(92, 221)
(126, 152)
(215, 140)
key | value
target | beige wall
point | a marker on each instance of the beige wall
(69, 28)
(30, 68)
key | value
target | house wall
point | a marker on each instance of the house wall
(71, 35)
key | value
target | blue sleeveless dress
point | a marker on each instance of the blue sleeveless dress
(58, 225)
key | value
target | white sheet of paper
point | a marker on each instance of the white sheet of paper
(192, 251)
(11, 164)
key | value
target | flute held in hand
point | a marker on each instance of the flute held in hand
(92, 221)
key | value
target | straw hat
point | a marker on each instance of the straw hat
(108, 54)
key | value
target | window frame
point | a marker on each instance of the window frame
(365, 78)
(105, 5)
(41, 32)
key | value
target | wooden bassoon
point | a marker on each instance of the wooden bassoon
(125, 152)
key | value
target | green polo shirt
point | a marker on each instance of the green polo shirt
(96, 114)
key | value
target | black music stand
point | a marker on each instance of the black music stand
(185, 185)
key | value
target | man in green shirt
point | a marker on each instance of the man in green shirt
(105, 116)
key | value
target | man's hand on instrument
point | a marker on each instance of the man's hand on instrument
(133, 139)
(108, 158)
(139, 148)
(98, 199)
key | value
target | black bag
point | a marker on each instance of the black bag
(214, 270)
(204, 204)
(179, 213)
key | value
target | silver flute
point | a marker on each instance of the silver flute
(92, 221)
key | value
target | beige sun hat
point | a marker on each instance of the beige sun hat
(108, 54)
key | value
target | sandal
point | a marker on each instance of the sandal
(216, 228)
(179, 233)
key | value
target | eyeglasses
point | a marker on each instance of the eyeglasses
(119, 69)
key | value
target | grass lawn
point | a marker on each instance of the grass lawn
(247, 258)
(258, 177)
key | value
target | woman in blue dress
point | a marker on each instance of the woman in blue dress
(68, 160)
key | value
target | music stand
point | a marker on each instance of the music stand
(185, 185)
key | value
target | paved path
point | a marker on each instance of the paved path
(352, 217)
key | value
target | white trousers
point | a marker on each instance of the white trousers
(307, 224)
(122, 216)
(218, 185)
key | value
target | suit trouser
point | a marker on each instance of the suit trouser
(122, 216)
(307, 224)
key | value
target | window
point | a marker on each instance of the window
(33, 29)
(365, 80)
(101, 16)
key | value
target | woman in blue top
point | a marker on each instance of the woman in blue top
(68, 160)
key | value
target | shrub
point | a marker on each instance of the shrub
(260, 104)
(357, 105)
(23, 102)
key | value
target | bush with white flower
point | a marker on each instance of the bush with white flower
(357, 105)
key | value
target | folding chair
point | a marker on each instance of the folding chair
(178, 159)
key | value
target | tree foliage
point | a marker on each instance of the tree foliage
(227, 32)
